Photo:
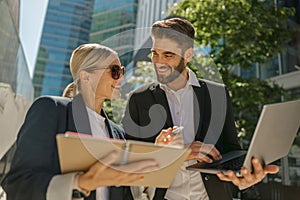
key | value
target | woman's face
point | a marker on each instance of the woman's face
(103, 84)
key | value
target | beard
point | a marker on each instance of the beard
(175, 72)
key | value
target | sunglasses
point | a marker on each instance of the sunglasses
(116, 71)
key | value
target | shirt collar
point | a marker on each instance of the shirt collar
(193, 80)
(95, 114)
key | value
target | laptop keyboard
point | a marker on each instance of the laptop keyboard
(234, 164)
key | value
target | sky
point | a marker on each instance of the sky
(32, 14)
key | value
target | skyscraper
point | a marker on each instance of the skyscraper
(9, 19)
(67, 25)
(113, 25)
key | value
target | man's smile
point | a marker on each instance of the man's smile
(162, 69)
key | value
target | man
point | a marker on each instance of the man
(203, 108)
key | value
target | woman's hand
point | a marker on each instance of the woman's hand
(102, 173)
(166, 137)
(203, 152)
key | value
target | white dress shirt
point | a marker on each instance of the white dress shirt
(99, 129)
(187, 185)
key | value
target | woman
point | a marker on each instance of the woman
(35, 170)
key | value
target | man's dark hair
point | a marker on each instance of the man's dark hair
(179, 30)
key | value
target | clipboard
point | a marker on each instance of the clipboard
(77, 152)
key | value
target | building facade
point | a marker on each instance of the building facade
(113, 25)
(66, 26)
(16, 89)
(9, 21)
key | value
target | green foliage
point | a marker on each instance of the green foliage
(144, 73)
(238, 31)
(115, 108)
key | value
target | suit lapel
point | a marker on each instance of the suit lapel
(70, 120)
(199, 110)
(79, 114)
(160, 98)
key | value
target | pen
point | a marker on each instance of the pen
(124, 157)
(174, 132)
(177, 130)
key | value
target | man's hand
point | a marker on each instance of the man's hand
(167, 138)
(203, 152)
(248, 179)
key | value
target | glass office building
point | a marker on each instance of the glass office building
(113, 25)
(67, 25)
(13, 65)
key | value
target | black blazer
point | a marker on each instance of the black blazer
(36, 158)
(142, 123)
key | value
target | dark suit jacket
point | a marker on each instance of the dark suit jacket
(36, 158)
(142, 123)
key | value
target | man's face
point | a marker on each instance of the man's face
(167, 59)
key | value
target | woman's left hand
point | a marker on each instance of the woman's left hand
(104, 173)
(248, 179)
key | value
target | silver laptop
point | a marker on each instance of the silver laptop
(276, 129)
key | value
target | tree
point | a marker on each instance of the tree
(237, 31)
(240, 32)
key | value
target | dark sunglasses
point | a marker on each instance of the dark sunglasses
(116, 71)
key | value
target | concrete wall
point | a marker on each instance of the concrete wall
(13, 108)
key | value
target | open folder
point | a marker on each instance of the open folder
(77, 152)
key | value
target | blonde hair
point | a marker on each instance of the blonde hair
(69, 90)
(86, 57)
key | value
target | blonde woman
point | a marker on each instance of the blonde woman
(35, 171)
